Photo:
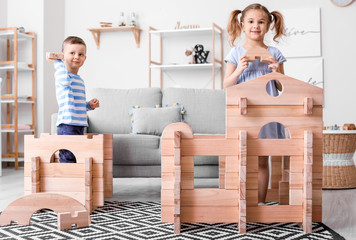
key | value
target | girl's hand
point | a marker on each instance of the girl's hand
(241, 66)
(273, 64)
(94, 103)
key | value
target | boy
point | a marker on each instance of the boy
(70, 91)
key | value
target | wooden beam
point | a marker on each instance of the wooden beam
(242, 182)
(35, 175)
(308, 181)
(177, 182)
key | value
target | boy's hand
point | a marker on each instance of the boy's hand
(94, 103)
(52, 57)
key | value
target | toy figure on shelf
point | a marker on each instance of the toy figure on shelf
(190, 56)
(200, 55)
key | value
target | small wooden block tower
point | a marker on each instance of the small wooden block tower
(88, 180)
(258, 53)
(248, 108)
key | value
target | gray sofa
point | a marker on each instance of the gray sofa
(139, 155)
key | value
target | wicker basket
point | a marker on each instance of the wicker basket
(339, 170)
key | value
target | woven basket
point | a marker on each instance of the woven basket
(339, 170)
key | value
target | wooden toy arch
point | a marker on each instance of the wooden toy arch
(69, 210)
(84, 180)
(248, 107)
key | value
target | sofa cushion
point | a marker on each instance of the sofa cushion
(112, 115)
(131, 149)
(204, 108)
(153, 120)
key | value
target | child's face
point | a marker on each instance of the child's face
(74, 56)
(255, 24)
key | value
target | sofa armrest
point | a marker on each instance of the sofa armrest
(53, 123)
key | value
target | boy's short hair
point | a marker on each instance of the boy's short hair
(73, 40)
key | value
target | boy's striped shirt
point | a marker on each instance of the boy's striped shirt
(70, 93)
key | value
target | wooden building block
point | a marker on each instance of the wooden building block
(296, 197)
(308, 180)
(22, 209)
(307, 216)
(232, 180)
(108, 165)
(296, 180)
(242, 181)
(308, 105)
(222, 169)
(276, 213)
(202, 214)
(35, 174)
(283, 193)
(89, 184)
(66, 220)
(70, 179)
(177, 182)
(261, 54)
(243, 106)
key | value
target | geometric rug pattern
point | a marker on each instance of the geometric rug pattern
(142, 220)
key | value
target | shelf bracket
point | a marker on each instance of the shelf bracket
(136, 33)
(96, 36)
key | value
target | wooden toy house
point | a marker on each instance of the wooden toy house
(88, 180)
(248, 108)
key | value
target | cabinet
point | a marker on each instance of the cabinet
(215, 32)
(18, 49)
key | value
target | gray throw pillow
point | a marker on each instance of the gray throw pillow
(153, 120)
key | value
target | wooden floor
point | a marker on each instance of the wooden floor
(339, 206)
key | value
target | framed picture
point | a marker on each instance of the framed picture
(302, 33)
(309, 70)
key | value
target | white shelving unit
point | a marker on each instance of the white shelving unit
(216, 64)
(10, 100)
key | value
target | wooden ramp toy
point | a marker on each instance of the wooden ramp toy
(88, 180)
(248, 108)
(69, 210)
(257, 53)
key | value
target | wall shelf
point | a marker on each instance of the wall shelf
(20, 66)
(97, 31)
(186, 66)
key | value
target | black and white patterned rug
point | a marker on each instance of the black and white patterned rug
(142, 220)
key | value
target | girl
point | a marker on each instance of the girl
(255, 23)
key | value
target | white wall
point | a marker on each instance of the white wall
(3, 13)
(119, 64)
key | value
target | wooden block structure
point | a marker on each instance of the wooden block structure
(69, 210)
(258, 53)
(248, 108)
(89, 180)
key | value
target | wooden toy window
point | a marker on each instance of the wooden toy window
(201, 180)
(55, 156)
(274, 130)
(274, 88)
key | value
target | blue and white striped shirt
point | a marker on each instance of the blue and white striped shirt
(70, 93)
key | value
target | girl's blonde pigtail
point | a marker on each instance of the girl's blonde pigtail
(278, 25)
(234, 26)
